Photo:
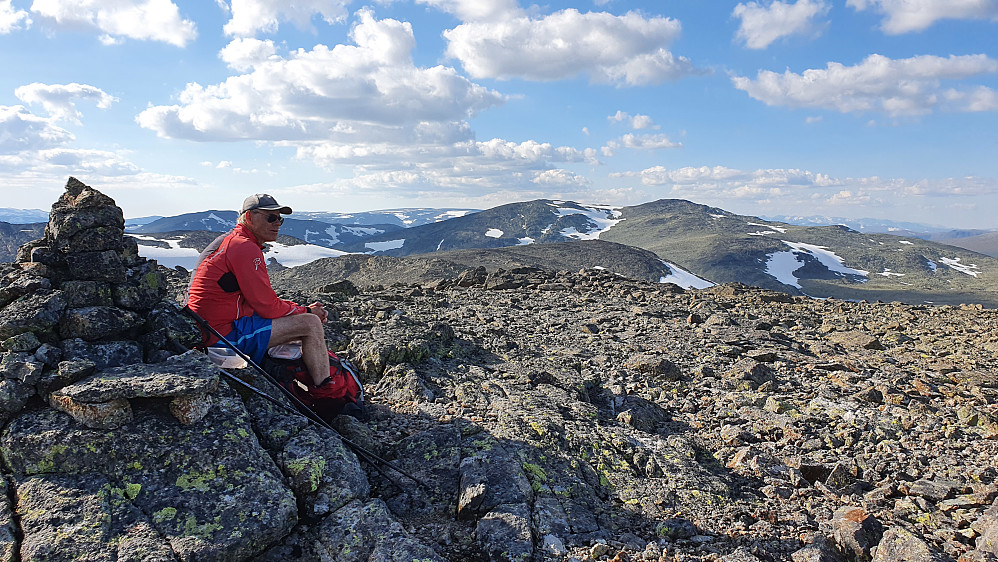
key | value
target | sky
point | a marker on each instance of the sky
(845, 108)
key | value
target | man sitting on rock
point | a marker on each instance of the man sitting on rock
(231, 290)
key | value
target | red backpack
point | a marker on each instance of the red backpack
(341, 393)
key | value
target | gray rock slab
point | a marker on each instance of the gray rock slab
(39, 312)
(189, 373)
(364, 530)
(322, 471)
(86, 517)
(103, 354)
(210, 491)
(901, 545)
(505, 533)
(96, 322)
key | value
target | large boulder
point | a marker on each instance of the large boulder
(206, 491)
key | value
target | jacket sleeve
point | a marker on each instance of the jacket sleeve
(246, 262)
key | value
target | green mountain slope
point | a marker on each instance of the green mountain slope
(724, 247)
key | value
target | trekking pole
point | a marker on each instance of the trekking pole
(303, 409)
(364, 454)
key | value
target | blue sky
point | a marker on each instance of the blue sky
(847, 108)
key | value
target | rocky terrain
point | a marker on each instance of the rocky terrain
(549, 415)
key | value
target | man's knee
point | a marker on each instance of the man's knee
(313, 323)
(299, 325)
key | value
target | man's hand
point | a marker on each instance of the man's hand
(317, 309)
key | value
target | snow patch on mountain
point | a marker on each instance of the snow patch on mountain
(889, 273)
(358, 230)
(167, 257)
(218, 219)
(967, 268)
(683, 278)
(769, 226)
(493, 233)
(386, 245)
(525, 241)
(782, 265)
(601, 218)
(299, 254)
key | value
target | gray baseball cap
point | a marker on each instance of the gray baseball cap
(264, 202)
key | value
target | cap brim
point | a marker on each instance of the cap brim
(282, 210)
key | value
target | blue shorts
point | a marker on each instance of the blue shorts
(251, 334)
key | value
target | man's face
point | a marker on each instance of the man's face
(259, 223)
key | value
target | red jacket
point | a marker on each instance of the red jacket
(230, 281)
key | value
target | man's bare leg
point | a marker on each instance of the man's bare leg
(308, 329)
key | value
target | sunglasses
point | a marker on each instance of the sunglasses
(272, 217)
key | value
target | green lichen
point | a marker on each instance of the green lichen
(202, 531)
(165, 514)
(152, 281)
(132, 490)
(535, 472)
(196, 480)
(313, 468)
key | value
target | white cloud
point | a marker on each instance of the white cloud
(464, 169)
(57, 99)
(244, 53)
(476, 10)
(353, 94)
(640, 142)
(253, 16)
(21, 131)
(980, 98)
(904, 16)
(761, 25)
(637, 122)
(878, 84)
(768, 191)
(11, 19)
(560, 178)
(153, 20)
(628, 49)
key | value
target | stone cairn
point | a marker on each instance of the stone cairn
(84, 324)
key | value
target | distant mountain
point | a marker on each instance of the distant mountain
(311, 231)
(828, 261)
(718, 246)
(516, 224)
(132, 224)
(883, 226)
(405, 218)
(366, 270)
(13, 236)
(23, 216)
(985, 242)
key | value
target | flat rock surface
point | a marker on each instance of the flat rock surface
(201, 492)
(190, 373)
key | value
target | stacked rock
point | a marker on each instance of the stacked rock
(81, 299)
